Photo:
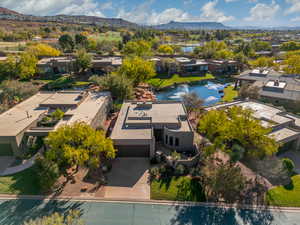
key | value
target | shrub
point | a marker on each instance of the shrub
(14, 91)
(180, 170)
(288, 165)
(57, 114)
(154, 172)
(120, 87)
(175, 155)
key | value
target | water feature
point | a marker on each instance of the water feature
(210, 92)
(188, 49)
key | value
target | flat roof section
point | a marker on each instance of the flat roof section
(67, 98)
(121, 131)
(15, 120)
(284, 134)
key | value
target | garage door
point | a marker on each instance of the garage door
(6, 150)
(133, 151)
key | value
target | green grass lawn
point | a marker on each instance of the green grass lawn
(229, 94)
(110, 36)
(287, 196)
(177, 189)
(23, 183)
(164, 81)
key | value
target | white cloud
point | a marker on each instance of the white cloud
(210, 13)
(295, 6)
(263, 12)
(52, 7)
(143, 14)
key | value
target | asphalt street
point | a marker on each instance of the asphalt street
(15, 212)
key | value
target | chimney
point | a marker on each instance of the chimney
(276, 83)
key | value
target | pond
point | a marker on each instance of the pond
(188, 49)
(209, 91)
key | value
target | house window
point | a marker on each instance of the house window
(167, 138)
(176, 141)
(171, 141)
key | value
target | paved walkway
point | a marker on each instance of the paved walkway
(16, 211)
(16, 169)
(5, 162)
(128, 179)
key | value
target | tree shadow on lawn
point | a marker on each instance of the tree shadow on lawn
(25, 183)
(204, 215)
(289, 186)
(16, 212)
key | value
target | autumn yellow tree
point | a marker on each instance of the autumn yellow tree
(77, 145)
(43, 50)
(165, 49)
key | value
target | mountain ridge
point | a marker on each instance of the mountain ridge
(75, 19)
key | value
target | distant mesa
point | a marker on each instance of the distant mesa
(192, 26)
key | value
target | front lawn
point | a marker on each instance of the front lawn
(286, 196)
(177, 189)
(161, 81)
(23, 183)
(229, 94)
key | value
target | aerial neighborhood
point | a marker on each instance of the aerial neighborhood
(104, 109)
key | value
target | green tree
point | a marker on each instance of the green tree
(47, 172)
(120, 87)
(66, 43)
(261, 45)
(138, 48)
(83, 60)
(192, 102)
(223, 181)
(249, 91)
(137, 69)
(72, 218)
(235, 125)
(78, 145)
(81, 41)
(27, 65)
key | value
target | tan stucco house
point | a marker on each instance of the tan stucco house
(140, 125)
(22, 121)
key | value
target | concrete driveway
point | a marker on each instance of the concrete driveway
(128, 179)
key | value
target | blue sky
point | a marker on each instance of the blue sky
(229, 12)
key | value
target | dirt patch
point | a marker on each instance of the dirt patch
(80, 186)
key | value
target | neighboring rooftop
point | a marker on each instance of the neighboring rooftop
(21, 117)
(283, 124)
